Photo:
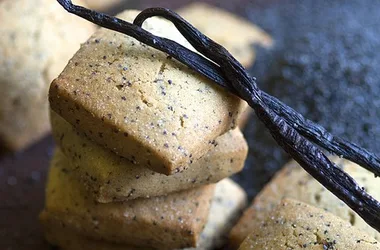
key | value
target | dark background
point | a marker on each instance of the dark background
(325, 64)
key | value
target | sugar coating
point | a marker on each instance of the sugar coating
(227, 203)
(236, 34)
(35, 45)
(125, 95)
(293, 182)
(112, 178)
(174, 221)
(296, 225)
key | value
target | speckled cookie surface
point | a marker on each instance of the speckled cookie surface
(37, 40)
(112, 178)
(233, 32)
(296, 225)
(227, 203)
(293, 182)
(140, 103)
(172, 221)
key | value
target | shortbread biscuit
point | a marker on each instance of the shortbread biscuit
(296, 225)
(140, 103)
(237, 35)
(227, 203)
(174, 221)
(37, 40)
(293, 182)
(111, 178)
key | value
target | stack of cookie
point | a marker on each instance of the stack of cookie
(142, 140)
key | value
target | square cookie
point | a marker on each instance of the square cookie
(296, 225)
(226, 206)
(140, 103)
(295, 183)
(172, 221)
(110, 177)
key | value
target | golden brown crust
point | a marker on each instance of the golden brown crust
(296, 225)
(141, 104)
(35, 45)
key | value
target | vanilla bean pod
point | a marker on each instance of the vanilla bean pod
(227, 72)
(304, 152)
(170, 47)
(323, 138)
(305, 127)
(313, 131)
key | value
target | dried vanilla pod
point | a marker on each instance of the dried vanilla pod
(227, 71)
(141, 104)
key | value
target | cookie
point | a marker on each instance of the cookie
(140, 103)
(236, 34)
(227, 203)
(110, 177)
(37, 40)
(296, 225)
(293, 182)
(174, 221)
